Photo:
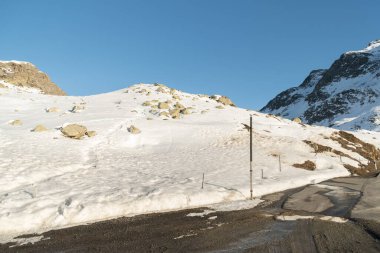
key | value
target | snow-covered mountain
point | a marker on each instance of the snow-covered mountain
(49, 180)
(345, 96)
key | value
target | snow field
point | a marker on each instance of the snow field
(49, 181)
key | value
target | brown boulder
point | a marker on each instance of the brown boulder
(166, 114)
(175, 113)
(16, 122)
(39, 128)
(297, 120)
(163, 105)
(185, 111)
(134, 130)
(179, 106)
(77, 108)
(74, 131)
(91, 133)
(225, 100)
(160, 89)
(52, 109)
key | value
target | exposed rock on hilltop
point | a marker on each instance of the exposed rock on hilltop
(346, 95)
(25, 74)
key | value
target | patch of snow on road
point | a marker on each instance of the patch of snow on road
(183, 236)
(28, 240)
(236, 205)
(201, 214)
(310, 217)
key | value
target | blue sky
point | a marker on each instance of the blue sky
(248, 50)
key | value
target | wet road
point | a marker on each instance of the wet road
(307, 219)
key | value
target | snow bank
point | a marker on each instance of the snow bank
(49, 181)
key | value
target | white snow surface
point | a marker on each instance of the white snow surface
(307, 217)
(16, 62)
(373, 47)
(227, 206)
(49, 181)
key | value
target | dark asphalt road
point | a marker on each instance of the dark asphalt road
(252, 230)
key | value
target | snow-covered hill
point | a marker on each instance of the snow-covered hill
(345, 96)
(49, 181)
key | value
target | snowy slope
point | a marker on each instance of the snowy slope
(50, 181)
(345, 96)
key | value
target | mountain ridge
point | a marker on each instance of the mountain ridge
(332, 97)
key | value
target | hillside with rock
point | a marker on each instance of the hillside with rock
(25, 74)
(68, 160)
(345, 96)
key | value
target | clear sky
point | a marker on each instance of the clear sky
(248, 50)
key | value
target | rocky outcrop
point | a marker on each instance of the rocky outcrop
(222, 99)
(225, 100)
(25, 74)
(345, 96)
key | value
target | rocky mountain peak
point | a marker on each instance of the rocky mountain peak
(25, 74)
(346, 95)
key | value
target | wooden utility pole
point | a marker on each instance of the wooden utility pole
(250, 153)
